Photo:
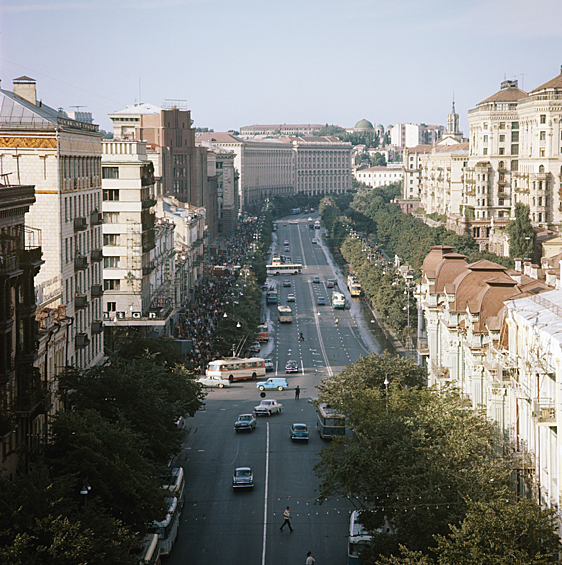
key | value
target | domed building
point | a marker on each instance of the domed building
(363, 125)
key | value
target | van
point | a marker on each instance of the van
(273, 383)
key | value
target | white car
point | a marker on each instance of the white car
(268, 407)
(314, 240)
(211, 381)
(291, 298)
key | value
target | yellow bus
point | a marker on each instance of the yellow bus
(285, 314)
(237, 369)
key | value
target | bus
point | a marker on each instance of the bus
(271, 295)
(284, 269)
(353, 285)
(174, 482)
(330, 422)
(167, 529)
(359, 537)
(263, 333)
(285, 314)
(317, 225)
(295, 211)
(338, 300)
(237, 369)
(150, 554)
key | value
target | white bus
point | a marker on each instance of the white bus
(174, 482)
(167, 529)
(338, 300)
(285, 314)
(150, 554)
(353, 285)
(284, 269)
(237, 369)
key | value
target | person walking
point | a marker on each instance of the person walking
(297, 392)
(287, 516)
(309, 559)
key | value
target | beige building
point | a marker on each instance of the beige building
(268, 130)
(375, 177)
(62, 157)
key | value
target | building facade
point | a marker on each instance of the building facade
(268, 130)
(410, 135)
(375, 177)
(61, 157)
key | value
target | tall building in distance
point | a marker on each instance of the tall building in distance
(61, 157)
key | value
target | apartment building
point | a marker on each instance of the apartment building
(268, 130)
(23, 389)
(412, 170)
(410, 135)
(375, 177)
(220, 168)
(61, 157)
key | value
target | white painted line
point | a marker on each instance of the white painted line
(265, 496)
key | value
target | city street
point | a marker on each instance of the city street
(242, 527)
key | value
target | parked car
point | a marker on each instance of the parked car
(278, 383)
(316, 280)
(286, 282)
(314, 240)
(213, 381)
(245, 422)
(268, 407)
(291, 298)
(299, 432)
(321, 300)
(291, 367)
(268, 364)
(255, 347)
(331, 283)
(243, 478)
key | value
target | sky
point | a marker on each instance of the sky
(244, 62)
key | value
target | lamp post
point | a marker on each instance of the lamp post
(386, 386)
(528, 240)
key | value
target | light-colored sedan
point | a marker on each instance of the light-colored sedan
(268, 407)
(213, 381)
(291, 298)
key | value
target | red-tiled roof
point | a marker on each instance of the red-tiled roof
(556, 82)
(505, 95)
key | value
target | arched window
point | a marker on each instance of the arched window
(541, 168)
(501, 165)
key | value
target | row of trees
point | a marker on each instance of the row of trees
(113, 441)
(438, 474)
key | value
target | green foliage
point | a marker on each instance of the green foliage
(417, 455)
(521, 234)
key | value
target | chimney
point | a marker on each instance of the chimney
(518, 264)
(24, 87)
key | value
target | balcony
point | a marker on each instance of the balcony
(82, 340)
(80, 224)
(29, 403)
(544, 409)
(96, 327)
(9, 264)
(96, 218)
(96, 291)
(80, 301)
(31, 257)
(148, 202)
(96, 255)
(80, 263)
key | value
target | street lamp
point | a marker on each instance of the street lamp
(386, 386)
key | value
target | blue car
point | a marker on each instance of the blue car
(273, 383)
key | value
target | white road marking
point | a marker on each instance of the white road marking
(265, 496)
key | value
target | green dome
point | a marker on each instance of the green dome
(363, 125)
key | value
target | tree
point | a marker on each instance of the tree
(521, 233)
(416, 455)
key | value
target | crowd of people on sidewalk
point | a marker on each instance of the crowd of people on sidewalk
(202, 316)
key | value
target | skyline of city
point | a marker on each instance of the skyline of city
(246, 62)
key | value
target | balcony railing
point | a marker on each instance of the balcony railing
(97, 327)
(8, 263)
(31, 256)
(82, 340)
(28, 403)
(96, 255)
(80, 301)
(96, 291)
(80, 224)
(80, 263)
(96, 218)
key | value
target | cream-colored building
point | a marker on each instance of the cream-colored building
(413, 171)
(42, 146)
(268, 130)
(375, 177)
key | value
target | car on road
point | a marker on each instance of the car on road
(321, 301)
(293, 222)
(291, 367)
(273, 383)
(309, 220)
(268, 364)
(291, 298)
(243, 478)
(286, 243)
(316, 280)
(326, 233)
(212, 381)
(268, 407)
(245, 422)
(331, 283)
(286, 283)
(314, 240)
(255, 347)
(299, 432)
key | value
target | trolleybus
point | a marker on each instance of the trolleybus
(285, 314)
(330, 422)
(284, 269)
(353, 285)
(338, 300)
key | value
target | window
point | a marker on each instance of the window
(110, 194)
(485, 139)
(543, 119)
(110, 172)
(111, 239)
(485, 151)
(502, 125)
(111, 262)
(541, 152)
(542, 135)
(111, 217)
(111, 284)
(112, 306)
(180, 159)
(485, 125)
(502, 138)
(502, 150)
(514, 166)
(514, 125)
(514, 137)
(515, 150)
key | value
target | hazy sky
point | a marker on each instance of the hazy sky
(242, 62)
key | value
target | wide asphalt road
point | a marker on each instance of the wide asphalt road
(220, 526)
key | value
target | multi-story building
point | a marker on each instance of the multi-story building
(279, 130)
(23, 389)
(138, 255)
(413, 170)
(410, 135)
(180, 167)
(375, 177)
(62, 157)
(220, 168)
